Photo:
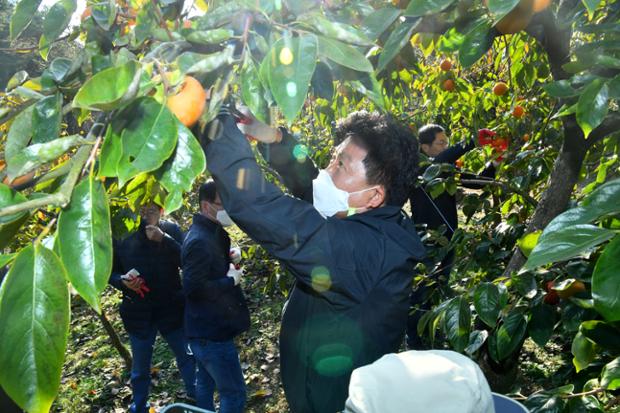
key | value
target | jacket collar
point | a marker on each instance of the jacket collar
(205, 222)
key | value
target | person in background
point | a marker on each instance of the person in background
(433, 213)
(215, 308)
(146, 271)
(342, 235)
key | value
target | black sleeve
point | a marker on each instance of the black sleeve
(454, 152)
(197, 274)
(289, 159)
(115, 279)
(489, 172)
(172, 241)
(290, 229)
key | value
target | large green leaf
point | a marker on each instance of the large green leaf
(422, 7)
(610, 377)
(541, 323)
(476, 43)
(198, 63)
(46, 119)
(290, 65)
(566, 243)
(148, 138)
(111, 151)
(34, 320)
(336, 30)
(605, 335)
(209, 36)
(457, 322)
(106, 89)
(591, 5)
(24, 11)
(20, 133)
(378, 21)
(38, 154)
(252, 91)
(85, 240)
(397, 40)
(583, 351)
(500, 8)
(560, 89)
(605, 282)
(506, 340)
(604, 200)
(486, 302)
(592, 106)
(179, 172)
(6, 259)
(58, 18)
(344, 54)
(10, 224)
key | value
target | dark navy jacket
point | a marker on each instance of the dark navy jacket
(158, 263)
(429, 211)
(350, 302)
(215, 308)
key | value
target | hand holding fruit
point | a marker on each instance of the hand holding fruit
(255, 129)
(235, 255)
(134, 282)
(235, 273)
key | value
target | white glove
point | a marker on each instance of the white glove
(255, 129)
(235, 255)
(235, 273)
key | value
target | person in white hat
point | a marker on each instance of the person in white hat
(437, 381)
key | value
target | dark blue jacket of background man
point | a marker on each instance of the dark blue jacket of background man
(353, 276)
(215, 308)
(158, 263)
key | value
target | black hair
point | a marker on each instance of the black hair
(392, 158)
(428, 133)
(207, 191)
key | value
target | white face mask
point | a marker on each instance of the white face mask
(223, 218)
(328, 199)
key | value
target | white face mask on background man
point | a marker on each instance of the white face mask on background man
(223, 218)
(328, 199)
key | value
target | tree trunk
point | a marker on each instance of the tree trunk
(115, 340)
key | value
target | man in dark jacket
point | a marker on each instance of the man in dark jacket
(146, 270)
(215, 309)
(437, 212)
(353, 274)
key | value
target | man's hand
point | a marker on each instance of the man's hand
(154, 233)
(255, 129)
(235, 273)
(134, 282)
(235, 255)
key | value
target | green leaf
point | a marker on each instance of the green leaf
(541, 323)
(591, 5)
(46, 118)
(592, 106)
(198, 63)
(111, 151)
(17, 79)
(486, 302)
(500, 8)
(10, 224)
(252, 92)
(604, 200)
(24, 11)
(397, 40)
(20, 133)
(369, 86)
(423, 7)
(38, 154)
(378, 21)
(106, 90)
(336, 30)
(343, 54)
(85, 240)
(527, 242)
(209, 36)
(560, 89)
(506, 340)
(57, 19)
(525, 284)
(610, 377)
(148, 138)
(476, 340)
(178, 173)
(583, 351)
(614, 87)
(34, 320)
(566, 243)
(476, 43)
(604, 334)
(605, 285)
(6, 259)
(290, 67)
(457, 323)
(62, 68)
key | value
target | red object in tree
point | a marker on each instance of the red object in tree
(551, 298)
(485, 137)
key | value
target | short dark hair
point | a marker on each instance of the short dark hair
(392, 158)
(207, 191)
(428, 133)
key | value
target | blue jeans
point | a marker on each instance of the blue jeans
(142, 351)
(218, 367)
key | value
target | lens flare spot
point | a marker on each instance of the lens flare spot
(241, 178)
(333, 360)
(321, 280)
(300, 152)
(291, 89)
(286, 56)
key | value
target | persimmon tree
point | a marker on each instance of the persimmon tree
(93, 137)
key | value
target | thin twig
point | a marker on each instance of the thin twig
(161, 20)
(164, 77)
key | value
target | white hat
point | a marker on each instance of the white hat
(434, 381)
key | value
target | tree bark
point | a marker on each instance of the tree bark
(116, 340)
